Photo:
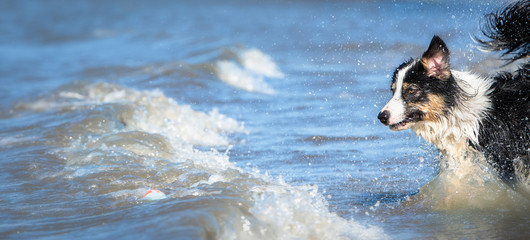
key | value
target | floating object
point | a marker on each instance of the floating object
(154, 194)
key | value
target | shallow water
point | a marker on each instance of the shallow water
(256, 119)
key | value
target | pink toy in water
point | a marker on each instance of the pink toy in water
(154, 194)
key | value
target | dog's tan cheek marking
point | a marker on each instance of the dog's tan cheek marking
(433, 109)
(404, 87)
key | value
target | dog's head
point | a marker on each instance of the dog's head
(423, 90)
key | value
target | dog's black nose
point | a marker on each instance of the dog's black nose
(383, 117)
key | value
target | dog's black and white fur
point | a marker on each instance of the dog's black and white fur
(464, 114)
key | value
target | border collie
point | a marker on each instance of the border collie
(465, 114)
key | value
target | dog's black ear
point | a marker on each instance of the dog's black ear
(436, 59)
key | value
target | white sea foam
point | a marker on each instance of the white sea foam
(302, 213)
(259, 62)
(236, 76)
(249, 74)
(153, 112)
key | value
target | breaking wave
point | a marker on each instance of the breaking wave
(249, 72)
(117, 143)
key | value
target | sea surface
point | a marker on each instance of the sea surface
(254, 119)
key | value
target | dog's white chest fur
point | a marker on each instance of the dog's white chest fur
(453, 133)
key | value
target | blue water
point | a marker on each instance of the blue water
(256, 119)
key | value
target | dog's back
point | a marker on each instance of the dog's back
(505, 133)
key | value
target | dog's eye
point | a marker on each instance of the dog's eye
(411, 90)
